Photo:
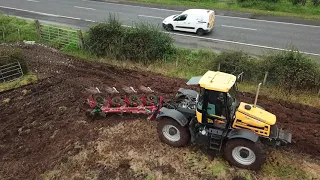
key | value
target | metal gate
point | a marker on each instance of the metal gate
(10, 71)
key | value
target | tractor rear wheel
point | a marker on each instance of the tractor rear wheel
(172, 133)
(245, 154)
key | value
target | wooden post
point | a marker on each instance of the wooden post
(319, 92)
(19, 34)
(265, 78)
(3, 32)
(38, 29)
(219, 67)
(80, 38)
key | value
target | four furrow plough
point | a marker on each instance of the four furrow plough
(103, 103)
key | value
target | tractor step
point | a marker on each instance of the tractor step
(216, 138)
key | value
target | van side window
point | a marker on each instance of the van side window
(181, 18)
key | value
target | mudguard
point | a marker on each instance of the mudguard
(174, 114)
(243, 133)
(188, 92)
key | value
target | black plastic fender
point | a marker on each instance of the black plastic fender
(244, 134)
(174, 114)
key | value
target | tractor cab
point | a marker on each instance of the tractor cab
(216, 102)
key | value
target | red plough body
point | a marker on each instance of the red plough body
(104, 104)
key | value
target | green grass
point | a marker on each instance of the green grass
(282, 8)
(14, 29)
(26, 79)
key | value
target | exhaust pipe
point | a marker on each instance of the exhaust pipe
(256, 99)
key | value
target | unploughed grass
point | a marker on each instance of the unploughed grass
(282, 8)
(25, 80)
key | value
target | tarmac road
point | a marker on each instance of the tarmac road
(253, 36)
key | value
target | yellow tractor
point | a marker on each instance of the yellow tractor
(214, 119)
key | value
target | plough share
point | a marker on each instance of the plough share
(103, 103)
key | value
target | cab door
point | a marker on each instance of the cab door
(215, 111)
(183, 23)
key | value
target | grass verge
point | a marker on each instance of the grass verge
(281, 8)
(25, 80)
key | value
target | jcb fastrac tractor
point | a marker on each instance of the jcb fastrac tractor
(215, 120)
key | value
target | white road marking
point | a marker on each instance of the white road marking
(212, 39)
(278, 22)
(46, 14)
(151, 17)
(84, 8)
(239, 27)
(32, 1)
(246, 44)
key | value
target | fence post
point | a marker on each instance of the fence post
(38, 29)
(80, 38)
(3, 32)
(219, 67)
(319, 92)
(265, 78)
(19, 36)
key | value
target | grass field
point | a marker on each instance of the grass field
(281, 8)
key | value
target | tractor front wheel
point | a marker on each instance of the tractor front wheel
(172, 133)
(245, 154)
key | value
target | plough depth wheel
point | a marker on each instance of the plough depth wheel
(152, 99)
(134, 100)
(117, 101)
(99, 99)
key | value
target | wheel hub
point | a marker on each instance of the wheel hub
(171, 133)
(243, 155)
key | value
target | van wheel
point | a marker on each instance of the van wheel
(169, 27)
(200, 32)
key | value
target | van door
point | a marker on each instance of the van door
(211, 20)
(184, 23)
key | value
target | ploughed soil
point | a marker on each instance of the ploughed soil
(41, 129)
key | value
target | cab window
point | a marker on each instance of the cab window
(181, 17)
(200, 99)
(216, 104)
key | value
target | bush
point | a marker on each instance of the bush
(316, 2)
(105, 38)
(237, 62)
(141, 43)
(292, 70)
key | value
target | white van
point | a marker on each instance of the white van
(200, 21)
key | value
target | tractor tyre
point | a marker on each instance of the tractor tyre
(172, 133)
(245, 154)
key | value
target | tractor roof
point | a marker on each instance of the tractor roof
(214, 80)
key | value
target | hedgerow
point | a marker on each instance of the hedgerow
(142, 43)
